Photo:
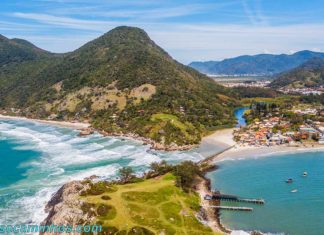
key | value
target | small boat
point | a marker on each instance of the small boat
(305, 173)
(294, 191)
(289, 181)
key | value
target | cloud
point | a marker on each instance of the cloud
(219, 41)
(254, 14)
(168, 24)
(68, 22)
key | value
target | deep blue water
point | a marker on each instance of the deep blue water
(300, 213)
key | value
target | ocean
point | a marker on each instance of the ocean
(36, 159)
(285, 212)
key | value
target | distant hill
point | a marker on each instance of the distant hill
(18, 50)
(309, 74)
(122, 82)
(263, 64)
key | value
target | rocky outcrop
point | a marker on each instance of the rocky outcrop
(66, 208)
(86, 131)
(154, 145)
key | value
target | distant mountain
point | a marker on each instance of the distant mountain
(309, 74)
(263, 64)
(121, 82)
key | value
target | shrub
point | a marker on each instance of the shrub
(105, 197)
(140, 231)
(103, 209)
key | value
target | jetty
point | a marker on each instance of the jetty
(228, 197)
(233, 208)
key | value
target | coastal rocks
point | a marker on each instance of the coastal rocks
(171, 147)
(86, 131)
(65, 208)
(146, 141)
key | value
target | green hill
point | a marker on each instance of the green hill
(120, 82)
(310, 74)
(17, 51)
(155, 206)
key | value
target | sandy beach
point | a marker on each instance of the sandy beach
(224, 137)
(75, 125)
(223, 147)
(249, 152)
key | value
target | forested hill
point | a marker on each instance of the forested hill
(120, 82)
(310, 74)
(18, 50)
(263, 64)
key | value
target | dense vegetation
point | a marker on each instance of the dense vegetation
(283, 107)
(310, 74)
(312, 99)
(15, 51)
(252, 92)
(121, 82)
(263, 64)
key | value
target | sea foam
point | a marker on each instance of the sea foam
(61, 156)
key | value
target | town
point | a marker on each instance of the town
(303, 91)
(296, 127)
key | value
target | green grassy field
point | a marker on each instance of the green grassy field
(154, 206)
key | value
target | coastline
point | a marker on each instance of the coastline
(234, 152)
(74, 125)
(220, 137)
(87, 129)
(239, 153)
(230, 151)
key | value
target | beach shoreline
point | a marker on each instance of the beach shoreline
(235, 152)
(249, 152)
(74, 125)
(88, 129)
(230, 151)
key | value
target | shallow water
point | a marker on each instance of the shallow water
(300, 213)
(36, 159)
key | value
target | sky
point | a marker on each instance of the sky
(189, 30)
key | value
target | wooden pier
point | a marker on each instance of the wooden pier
(255, 201)
(233, 208)
(227, 197)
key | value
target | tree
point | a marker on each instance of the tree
(160, 168)
(315, 137)
(126, 174)
(185, 174)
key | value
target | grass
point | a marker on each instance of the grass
(168, 117)
(185, 129)
(154, 206)
(144, 91)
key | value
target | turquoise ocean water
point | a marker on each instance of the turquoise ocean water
(36, 159)
(299, 213)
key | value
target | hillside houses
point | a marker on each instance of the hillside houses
(277, 131)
